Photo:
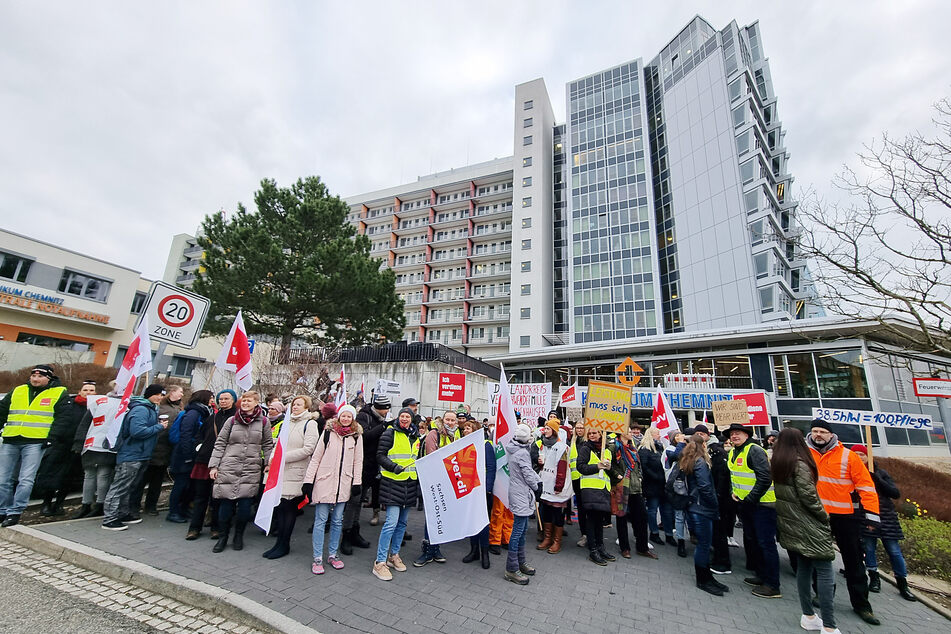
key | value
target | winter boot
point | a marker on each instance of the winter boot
(874, 581)
(97, 511)
(705, 581)
(84, 511)
(238, 542)
(681, 548)
(376, 517)
(58, 503)
(655, 537)
(47, 510)
(346, 543)
(547, 541)
(556, 540)
(903, 589)
(222, 539)
(485, 558)
(357, 539)
(671, 541)
(473, 552)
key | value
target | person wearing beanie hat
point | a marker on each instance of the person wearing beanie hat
(446, 431)
(524, 488)
(136, 440)
(889, 531)
(550, 457)
(396, 456)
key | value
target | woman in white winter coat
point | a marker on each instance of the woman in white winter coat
(301, 440)
(334, 476)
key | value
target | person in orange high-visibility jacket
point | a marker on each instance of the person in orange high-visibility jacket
(841, 473)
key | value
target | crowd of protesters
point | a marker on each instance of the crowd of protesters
(804, 494)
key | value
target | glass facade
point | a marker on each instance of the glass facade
(560, 231)
(612, 264)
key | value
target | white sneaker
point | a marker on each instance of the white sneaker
(650, 546)
(810, 623)
(835, 631)
(732, 542)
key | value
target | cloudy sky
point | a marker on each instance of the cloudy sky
(125, 123)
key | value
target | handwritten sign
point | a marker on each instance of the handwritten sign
(726, 413)
(880, 419)
(608, 407)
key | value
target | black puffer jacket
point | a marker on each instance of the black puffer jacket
(209, 433)
(373, 426)
(592, 499)
(395, 492)
(889, 528)
(654, 477)
(720, 469)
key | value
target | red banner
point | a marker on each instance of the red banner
(756, 403)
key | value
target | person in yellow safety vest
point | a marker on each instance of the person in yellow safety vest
(27, 415)
(445, 433)
(753, 491)
(594, 466)
(577, 439)
(396, 455)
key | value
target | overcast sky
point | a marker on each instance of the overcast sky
(125, 123)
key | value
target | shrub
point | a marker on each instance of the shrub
(927, 547)
(921, 485)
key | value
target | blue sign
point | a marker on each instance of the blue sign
(251, 346)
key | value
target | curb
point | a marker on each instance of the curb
(934, 605)
(221, 602)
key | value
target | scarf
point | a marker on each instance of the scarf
(246, 418)
(550, 442)
(80, 399)
(630, 458)
(342, 431)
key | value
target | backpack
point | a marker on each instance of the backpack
(677, 494)
(175, 429)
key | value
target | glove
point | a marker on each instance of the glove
(355, 491)
(539, 490)
(399, 469)
(307, 489)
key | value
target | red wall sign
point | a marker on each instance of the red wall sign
(756, 403)
(452, 387)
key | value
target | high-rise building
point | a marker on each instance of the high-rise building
(661, 205)
(184, 259)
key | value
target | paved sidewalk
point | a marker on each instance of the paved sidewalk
(568, 594)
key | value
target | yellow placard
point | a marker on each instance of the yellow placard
(608, 407)
(727, 412)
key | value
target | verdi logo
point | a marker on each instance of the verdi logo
(461, 467)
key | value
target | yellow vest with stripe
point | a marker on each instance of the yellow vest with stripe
(403, 454)
(744, 479)
(600, 480)
(444, 440)
(573, 462)
(31, 420)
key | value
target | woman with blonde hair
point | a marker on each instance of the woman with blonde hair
(694, 468)
(652, 469)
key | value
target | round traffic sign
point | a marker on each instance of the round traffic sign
(176, 311)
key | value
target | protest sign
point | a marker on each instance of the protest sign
(452, 387)
(726, 413)
(531, 400)
(608, 407)
(452, 481)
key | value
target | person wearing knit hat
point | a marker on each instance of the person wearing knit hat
(524, 488)
(372, 419)
(550, 457)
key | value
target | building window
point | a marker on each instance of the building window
(84, 286)
(53, 342)
(182, 366)
(526, 266)
(529, 105)
(138, 302)
(525, 313)
(13, 267)
(527, 123)
(526, 244)
(120, 355)
(527, 181)
(526, 289)
(526, 223)
(527, 201)
(527, 140)
(527, 161)
(525, 341)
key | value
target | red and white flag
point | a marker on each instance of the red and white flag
(137, 361)
(504, 428)
(663, 416)
(274, 483)
(236, 355)
(341, 398)
(704, 417)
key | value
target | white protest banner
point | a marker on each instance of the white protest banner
(386, 387)
(452, 480)
(531, 400)
(103, 410)
(880, 419)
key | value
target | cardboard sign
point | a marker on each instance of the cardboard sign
(531, 400)
(726, 413)
(608, 407)
(452, 387)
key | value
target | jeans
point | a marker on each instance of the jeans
(847, 532)
(96, 482)
(825, 583)
(321, 513)
(240, 509)
(894, 555)
(680, 518)
(116, 505)
(759, 541)
(703, 529)
(391, 535)
(28, 456)
(178, 498)
(516, 554)
(666, 514)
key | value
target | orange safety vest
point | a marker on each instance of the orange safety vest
(840, 473)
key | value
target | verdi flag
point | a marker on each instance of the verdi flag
(341, 398)
(236, 355)
(137, 361)
(452, 481)
(271, 496)
(504, 428)
(663, 416)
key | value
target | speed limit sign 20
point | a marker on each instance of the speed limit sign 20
(176, 316)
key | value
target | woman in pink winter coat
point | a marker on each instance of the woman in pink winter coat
(334, 475)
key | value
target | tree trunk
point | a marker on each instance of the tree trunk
(285, 354)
